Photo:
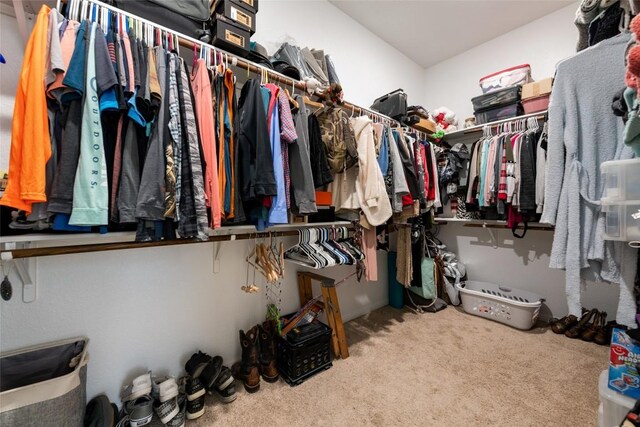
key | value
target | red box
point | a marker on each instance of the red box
(323, 198)
(533, 105)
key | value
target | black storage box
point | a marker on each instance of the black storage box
(238, 13)
(251, 5)
(499, 113)
(304, 352)
(229, 36)
(393, 104)
(498, 105)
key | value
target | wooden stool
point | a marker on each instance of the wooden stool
(331, 307)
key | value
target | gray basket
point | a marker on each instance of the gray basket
(44, 385)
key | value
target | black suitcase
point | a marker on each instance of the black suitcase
(393, 104)
(189, 17)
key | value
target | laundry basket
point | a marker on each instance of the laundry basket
(510, 306)
(44, 385)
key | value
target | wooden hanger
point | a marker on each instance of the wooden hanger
(318, 105)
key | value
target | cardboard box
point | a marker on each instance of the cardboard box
(624, 361)
(535, 89)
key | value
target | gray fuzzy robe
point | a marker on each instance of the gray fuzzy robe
(583, 133)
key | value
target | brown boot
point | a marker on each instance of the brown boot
(247, 369)
(268, 366)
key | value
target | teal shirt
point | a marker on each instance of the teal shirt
(90, 191)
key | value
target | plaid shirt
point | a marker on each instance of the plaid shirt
(502, 185)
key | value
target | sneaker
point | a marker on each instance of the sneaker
(195, 408)
(227, 395)
(193, 388)
(211, 372)
(140, 411)
(164, 388)
(180, 419)
(196, 364)
(166, 410)
(139, 387)
(225, 379)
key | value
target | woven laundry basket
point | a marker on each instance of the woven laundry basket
(513, 307)
(44, 385)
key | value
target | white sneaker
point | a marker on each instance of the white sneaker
(164, 388)
(139, 387)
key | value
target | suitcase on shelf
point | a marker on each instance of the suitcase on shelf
(189, 17)
(393, 104)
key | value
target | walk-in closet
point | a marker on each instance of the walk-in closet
(319, 212)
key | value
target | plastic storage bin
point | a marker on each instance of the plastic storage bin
(513, 307)
(518, 75)
(621, 180)
(622, 221)
(304, 352)
(500, 113)
(613, 405)
(533, 105)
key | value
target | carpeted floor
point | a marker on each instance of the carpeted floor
(443, 369)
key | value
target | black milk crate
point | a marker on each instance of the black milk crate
(305, 351)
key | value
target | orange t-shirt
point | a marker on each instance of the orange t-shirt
(30, 139)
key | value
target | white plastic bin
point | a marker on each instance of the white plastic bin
(613, 405)
(513, 307)
(621, 181)
(622, 221)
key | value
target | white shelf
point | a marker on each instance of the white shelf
(475, 130)
(487, 222)
(129, 236)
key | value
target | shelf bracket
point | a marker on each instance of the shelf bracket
(494, 242)
(24, 267)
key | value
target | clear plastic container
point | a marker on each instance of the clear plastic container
(613, 405)
(622, 221)
(621, 180)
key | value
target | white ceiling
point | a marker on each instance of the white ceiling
(430, 31)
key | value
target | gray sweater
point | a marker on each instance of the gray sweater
(583, 133)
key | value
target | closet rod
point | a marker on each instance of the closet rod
(241, 63)
(530, 227)
(103, 247)
(479, 128)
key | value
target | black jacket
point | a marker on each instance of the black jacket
(256, 177)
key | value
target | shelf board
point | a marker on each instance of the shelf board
(494, 223)
(474, 130)
(129, 236)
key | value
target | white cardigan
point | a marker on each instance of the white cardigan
(370, 186)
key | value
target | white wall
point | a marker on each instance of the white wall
(541, 43)
(151, 308)
(517, 262)
(367, 66)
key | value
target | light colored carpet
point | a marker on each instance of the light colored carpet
(443, 369)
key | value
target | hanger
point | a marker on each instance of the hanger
(319, 106)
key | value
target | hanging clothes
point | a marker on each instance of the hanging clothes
(369, 244)
(573, 183)
(30, 140)
(302, 183)
(278, 208)
(202, 91)
(400, 187)
(319, 163)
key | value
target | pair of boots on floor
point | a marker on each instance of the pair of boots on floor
(258, 356)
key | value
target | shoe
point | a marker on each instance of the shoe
(608, 330)
(247, 369)
(576, 330)
(164, 388)
(268, 365)
(195, 408)
(180, 419)
(139, 387)
(140, 410)
(589, 333)
(211, 372)
(196, 364)
(562, 325)
(166, 410)
(101, 412)
(227, 395)
(193, 388)
(601, 333)
(225, 379)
